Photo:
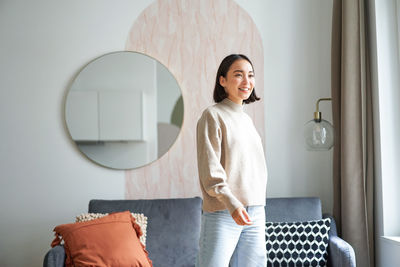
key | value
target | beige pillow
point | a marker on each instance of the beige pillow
(141, 220)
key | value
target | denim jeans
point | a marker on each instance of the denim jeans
(223, 243)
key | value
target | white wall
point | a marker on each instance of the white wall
(46, 181)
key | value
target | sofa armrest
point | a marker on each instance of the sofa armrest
(341, 254)
(55, 257)
(333, 230)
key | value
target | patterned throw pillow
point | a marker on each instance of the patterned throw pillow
(141, 220)
(297, 243)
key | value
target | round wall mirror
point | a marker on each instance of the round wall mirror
(124, 110)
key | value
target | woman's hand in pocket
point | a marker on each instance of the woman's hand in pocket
(241, 217)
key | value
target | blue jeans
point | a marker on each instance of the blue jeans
(223, 243)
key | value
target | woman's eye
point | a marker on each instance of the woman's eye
(238, 75)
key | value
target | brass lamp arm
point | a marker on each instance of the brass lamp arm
(317, 114)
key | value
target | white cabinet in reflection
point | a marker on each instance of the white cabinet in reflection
(120, 116)
(105, 115)
(82, 115)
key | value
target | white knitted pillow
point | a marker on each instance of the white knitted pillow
(141, 220)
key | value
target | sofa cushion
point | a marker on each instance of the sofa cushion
(293, 209)
(173, 228)
(140, 219)
(297, 243)
(112, 240)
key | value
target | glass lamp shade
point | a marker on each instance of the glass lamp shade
(318, 135)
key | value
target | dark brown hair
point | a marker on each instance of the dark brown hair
(219, 90)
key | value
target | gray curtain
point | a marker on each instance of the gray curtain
(352, 119)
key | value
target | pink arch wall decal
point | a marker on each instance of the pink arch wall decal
(191, 37)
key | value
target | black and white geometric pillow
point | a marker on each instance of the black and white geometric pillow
(297, 243)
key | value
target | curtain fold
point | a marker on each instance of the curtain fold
(352, 119)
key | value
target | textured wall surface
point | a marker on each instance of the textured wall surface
(191, 38)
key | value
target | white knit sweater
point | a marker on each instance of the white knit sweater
(230, 157)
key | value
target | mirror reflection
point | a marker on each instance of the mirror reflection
(124, 110)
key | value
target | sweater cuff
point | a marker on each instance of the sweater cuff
(230, 201)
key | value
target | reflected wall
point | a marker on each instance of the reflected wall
(119, 110)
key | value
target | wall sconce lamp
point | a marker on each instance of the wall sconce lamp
(319, 133)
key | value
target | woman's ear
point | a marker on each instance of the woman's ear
(222, 81)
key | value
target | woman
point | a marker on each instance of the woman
(232, 172)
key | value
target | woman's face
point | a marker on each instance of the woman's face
(239, 81)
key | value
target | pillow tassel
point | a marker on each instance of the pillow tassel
(139, 233)
(56, 241)
(137, 228)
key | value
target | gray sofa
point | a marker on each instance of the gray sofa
(174, 226)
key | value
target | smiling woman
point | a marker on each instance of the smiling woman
(123, 110)
(232, 172)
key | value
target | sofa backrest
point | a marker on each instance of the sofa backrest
(293, 209)
(173, 226)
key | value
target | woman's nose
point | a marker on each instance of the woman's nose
(246, 80)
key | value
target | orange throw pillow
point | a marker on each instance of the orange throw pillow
(112, 240)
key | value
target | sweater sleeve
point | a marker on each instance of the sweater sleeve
(211, 173)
